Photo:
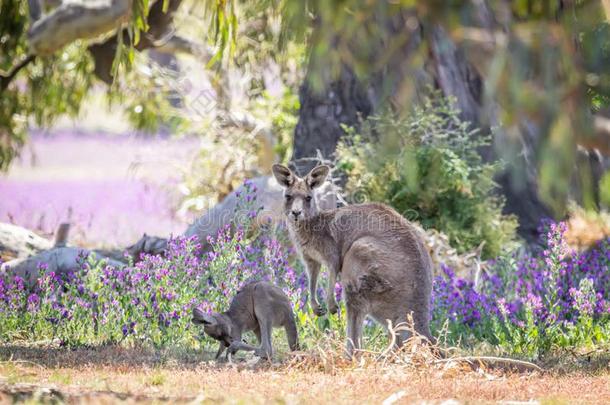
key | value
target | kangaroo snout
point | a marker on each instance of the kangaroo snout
(198, 316)
(296, 214)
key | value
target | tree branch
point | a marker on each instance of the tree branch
(89, 19)
(159, 23)
(71, 21)
(5, 79)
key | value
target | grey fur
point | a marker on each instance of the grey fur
(382, 262)
(258, 307)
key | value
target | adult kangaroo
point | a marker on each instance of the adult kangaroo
(381, 261)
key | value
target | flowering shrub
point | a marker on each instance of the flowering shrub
(148, 302)
(528, 305)
(151, 301)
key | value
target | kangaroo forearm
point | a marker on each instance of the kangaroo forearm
(331, 301)
(313, 271)
(330, 289)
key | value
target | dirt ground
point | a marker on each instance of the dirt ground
(109, 375)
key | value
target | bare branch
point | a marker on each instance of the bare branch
(71, 21)
(159, 23)
(5, 79)
(61, 235)
(491, 361)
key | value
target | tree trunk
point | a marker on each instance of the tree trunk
(348, 99)
(343, 102)
(456, 77)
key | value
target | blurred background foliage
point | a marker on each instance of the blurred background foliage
(281, 80)
(54, 86)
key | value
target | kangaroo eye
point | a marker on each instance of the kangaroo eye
(288, 197)
(308, 198)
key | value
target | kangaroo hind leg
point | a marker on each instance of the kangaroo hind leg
(291, 333)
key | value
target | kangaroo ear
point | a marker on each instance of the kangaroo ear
(201, 317)
(283, 175)
(317, 175)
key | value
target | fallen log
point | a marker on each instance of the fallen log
(18, 243)
(60, 260)
(29, 251)
(152, 245)
(269, 196)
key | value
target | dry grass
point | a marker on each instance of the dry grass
(466, 265)
(320, 375)
(586, 228)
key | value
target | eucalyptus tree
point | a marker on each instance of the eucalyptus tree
(52, 51)
(533, 72)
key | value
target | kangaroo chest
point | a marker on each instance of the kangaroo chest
(315, 255)
(308, 247)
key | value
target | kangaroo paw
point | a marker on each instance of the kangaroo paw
(319, 311)
(262, 353)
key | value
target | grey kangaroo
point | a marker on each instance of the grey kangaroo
(383, 265)
(257, 307)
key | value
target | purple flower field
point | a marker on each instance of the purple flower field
(552, 297)
(526, 304)
(111, 188)
(151, 301)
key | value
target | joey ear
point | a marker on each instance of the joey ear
(317, 175)
(201, 317)
(284, 176)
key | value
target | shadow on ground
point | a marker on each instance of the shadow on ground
(32, 393)
(109, 355)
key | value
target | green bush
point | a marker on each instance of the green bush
(427, 166)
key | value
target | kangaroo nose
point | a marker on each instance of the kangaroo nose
(296, 213)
